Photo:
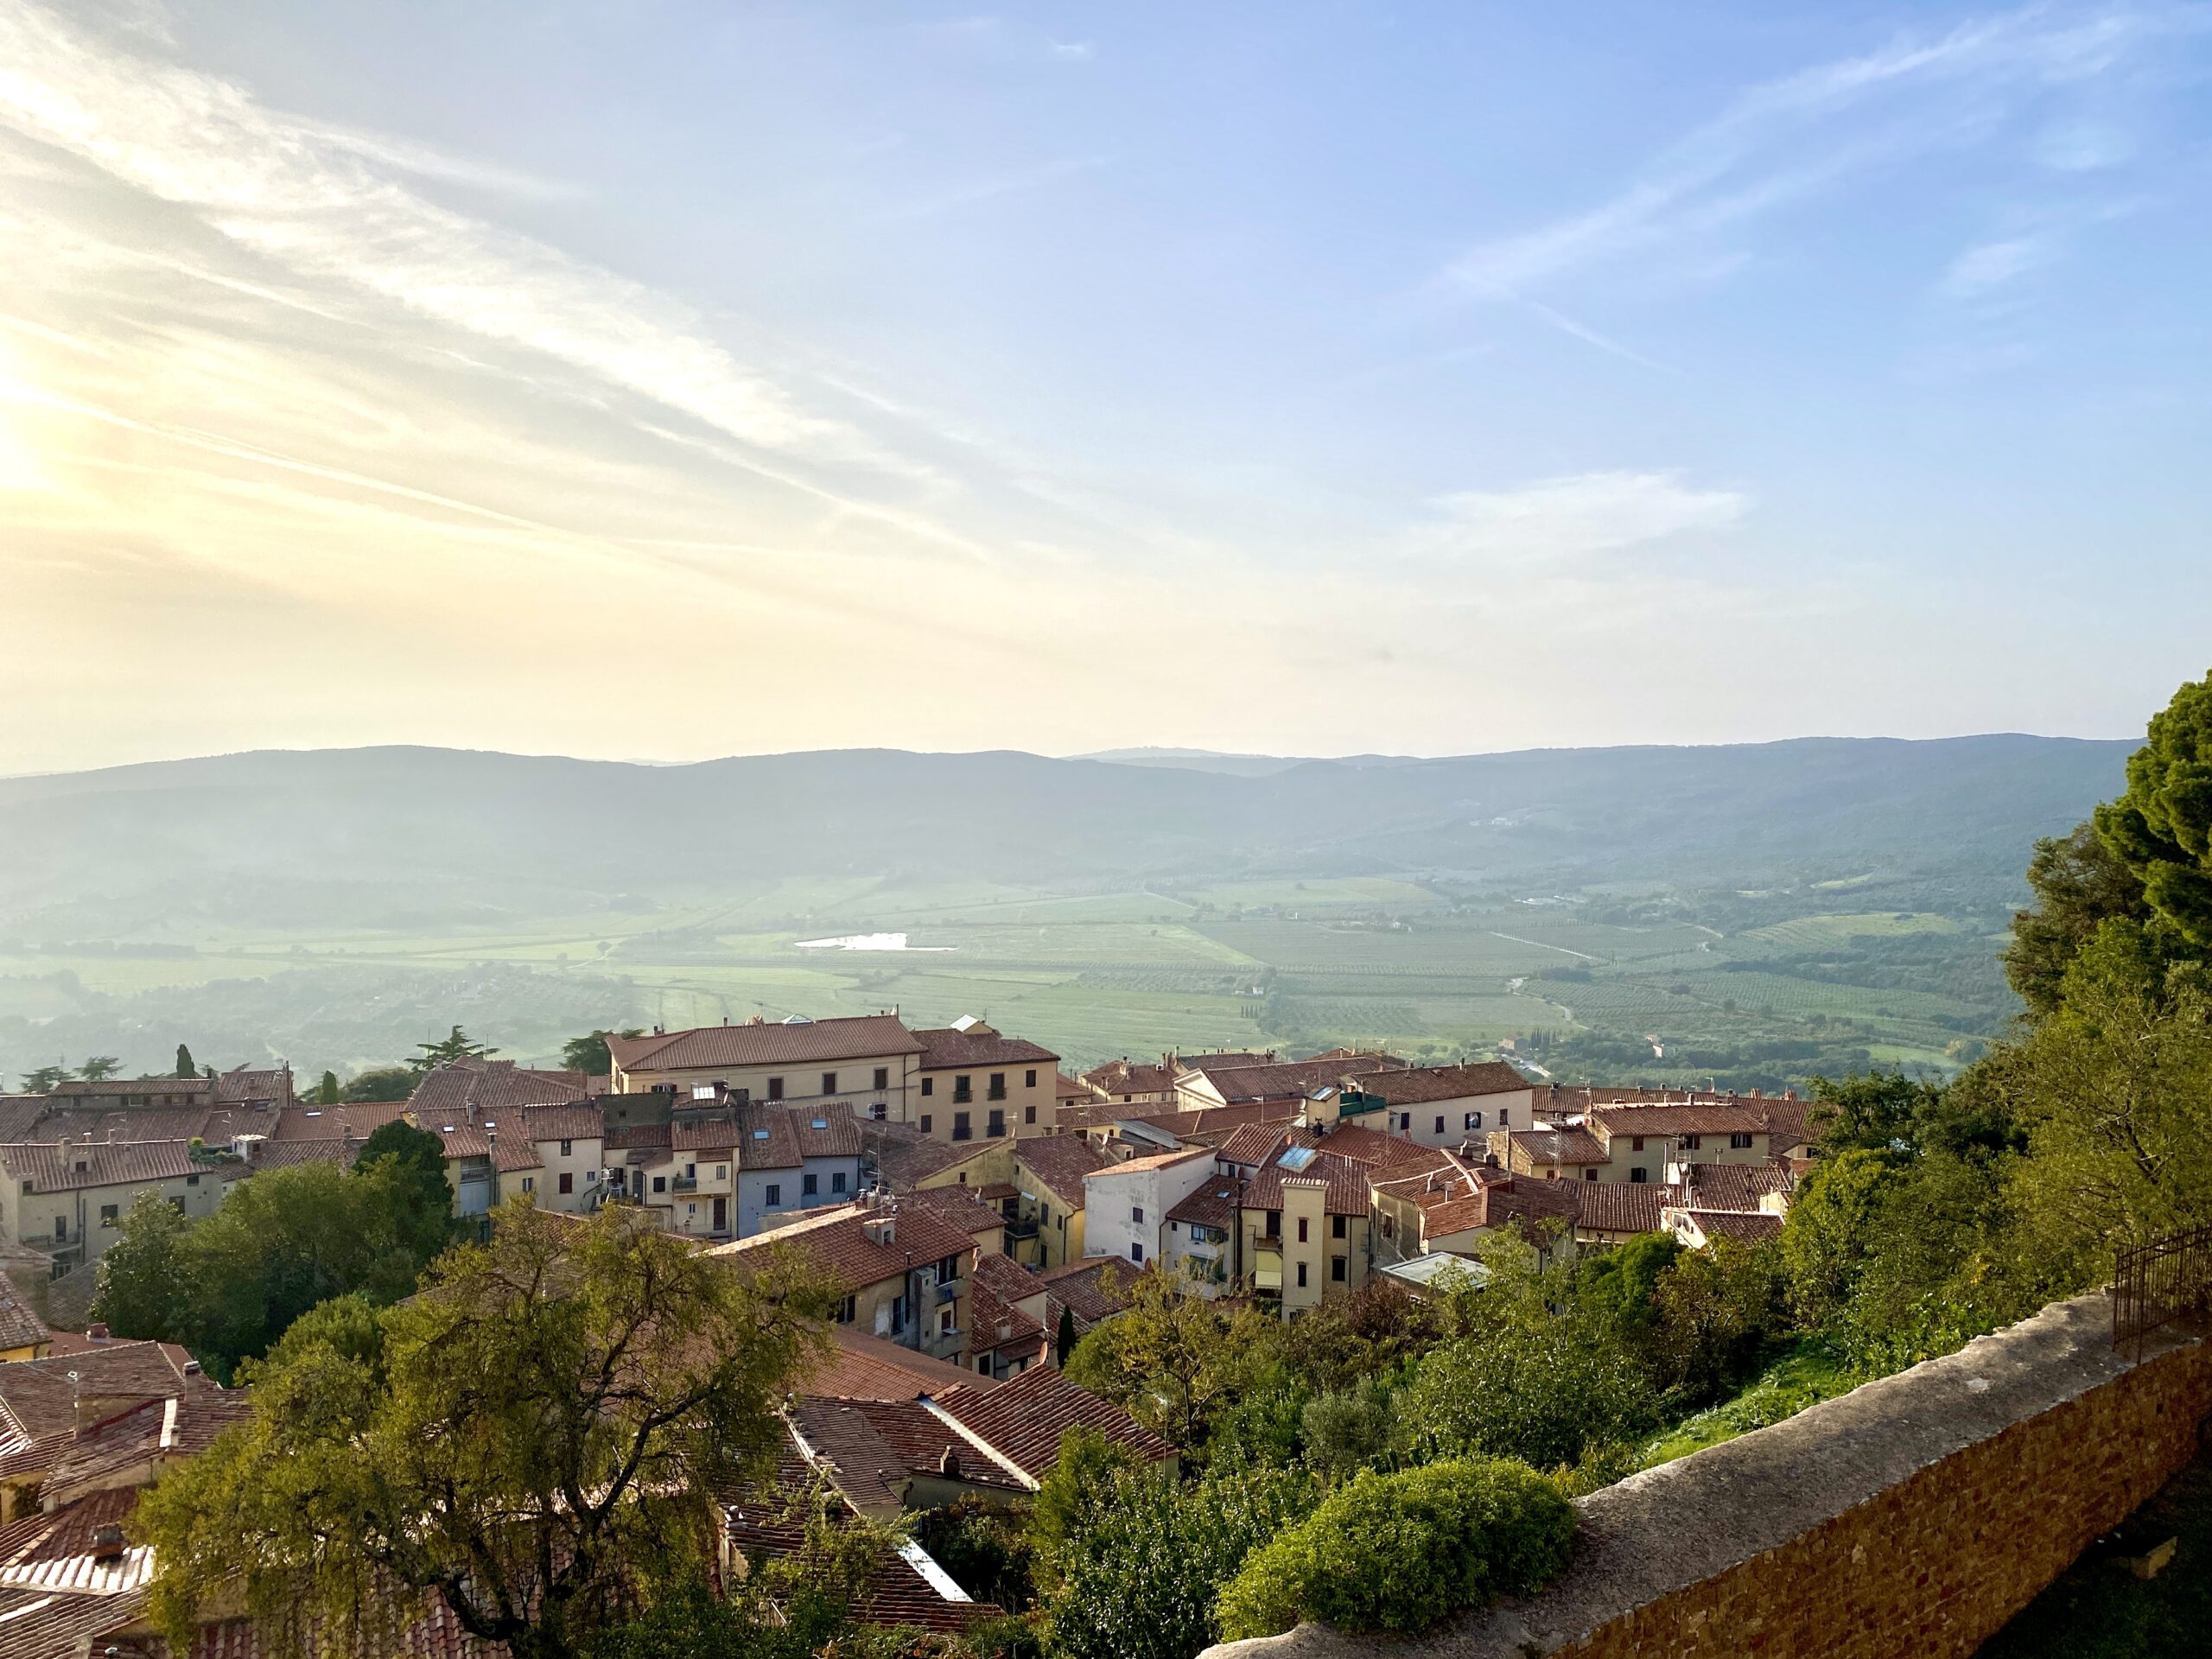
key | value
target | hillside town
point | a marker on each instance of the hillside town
(975, 1211)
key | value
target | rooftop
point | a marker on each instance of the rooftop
(853, 1037)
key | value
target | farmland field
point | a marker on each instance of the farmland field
(1758, 990)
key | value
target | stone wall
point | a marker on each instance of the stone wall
(1912, 1517)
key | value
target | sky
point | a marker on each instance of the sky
(660, 380)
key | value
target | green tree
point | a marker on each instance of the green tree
(98, 1068)
(1349, 1430)
(1173, 1359)
(185, 1068)
(326, 1093)
(455, 1044)
(537, 1437)
(589, 1054)
(1140, 1581)
(47, 1079)
(1872, 1110)
(2161, 828)
(1073, 1494)
(291, 1239)
(1830, 1234)
(2079, 885)
(985, 1546)
(1064, 1338)
(383, 1083)
(424, 1188)
(144, 1282)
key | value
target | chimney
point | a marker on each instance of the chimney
(96, 1333)
(948, 1463)
(107, 1544)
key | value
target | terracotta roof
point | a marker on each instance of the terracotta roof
(1156, 1161)
(1282, 1079)
(963, 1207)
(996, 1325)
(491, 1086)
(863, 1367)
(905, 1157)
(627, 1137)
(1253, 1143)
(1623, 1206)
(1212, 1203)
(20, 1115)
(1733, 1187)
(83, 1122)
(287, 1154)
(197, 1088)
(1082, 1288)
(1427, 1083)
(1461, 1198)
(1066, 1088)
(942, 1050)
(242, 1085)
(582, 1121)
(879, 1445)
(1130, 1077)
(1346, 1183)
(19, 1326)
(1377, 1150)
(77, 1168)
(180, 1425)
(1753, 1228)
(1008, 1278)
(39, 1396)
(1060, 1162)
(1200, 1123)
(1725, 1117)
(1560, 1147)
(1024, 1417)
(855, 1037)
(838, 1242)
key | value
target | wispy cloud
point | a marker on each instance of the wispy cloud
(1555, 519)
(1790, 138)
(1992, 265)
(982, 190)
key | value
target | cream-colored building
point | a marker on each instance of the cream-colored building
(904, 1269)
(1046, 1229)
(977, 1083)
(68, 1200)
(870, 1062)
(1655, 1144)
(1441, 1106)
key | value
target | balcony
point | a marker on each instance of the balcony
(1020, 1228)
(994, 1132)
(943, 1345)
(684, 1184)
(948, 1290)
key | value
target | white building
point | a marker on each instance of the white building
(1125, 1205)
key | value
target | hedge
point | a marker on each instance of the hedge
(1399, 1552)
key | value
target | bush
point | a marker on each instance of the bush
(1400, 1552)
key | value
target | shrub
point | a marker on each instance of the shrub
(1400, 1552)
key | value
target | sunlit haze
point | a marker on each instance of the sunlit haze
(670, 380)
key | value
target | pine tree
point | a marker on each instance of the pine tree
(185, 1068)
(1063, 1339)
(327, 1093)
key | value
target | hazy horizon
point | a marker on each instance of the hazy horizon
(696, 380)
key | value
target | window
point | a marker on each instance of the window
(1337, 1270)
(1504, 1117)
(1692, 1142)
(1440, 1123)
(1474, 1121)
(829, 1083)
(929, 1086)
(1639, 1175)
(660, 1182)
(983, 1365)
(998, 1085)
(1301, 1275)
(61, 1227)
(1739, 1142)
(722, 1172)
(1274, 1229)
(925, 1122)
(1136, 1214)
(1136, 1252)
(837, 1180)
(944, 1326)
(1337, 1226)
(1029, 1078)
(1635, 1143)
(1045, 1211)
(963, 1087)
(690, 1172)
(28, 1186)
(530, 1183)
(882, 1078)
(846, 1311)
(775, 1088)
(961, 1131)
(1029, 1114)
(1588, 1173)
(879, 1111)
(809, 1185)
(192, 1180)
(568, 1148)
(997, 1127)
(1301, 1229)
(1389, 1228)
(775, 1193)
(568, 1180)
(108, 1213)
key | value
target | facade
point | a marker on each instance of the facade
(1442, 1105)
(1303, 1227)
(67, 1200)
(905, 1270)
(975, 1084)
(721, 1170)
(1243, 1083)
(1202, 1243)
(869, 1062)
(1048, 1177)
(1126, 1205)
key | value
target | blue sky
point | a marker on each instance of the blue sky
(671, 380)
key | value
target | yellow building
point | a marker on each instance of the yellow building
(1047, 1231)
(975, 1084)
(870, 1062)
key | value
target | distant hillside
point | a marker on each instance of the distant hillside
(414, 837)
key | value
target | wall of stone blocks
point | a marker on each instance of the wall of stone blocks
(1913, 1516)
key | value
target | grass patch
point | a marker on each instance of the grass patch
(1809, 1373)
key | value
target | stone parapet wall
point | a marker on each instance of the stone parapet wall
(1912, 1516)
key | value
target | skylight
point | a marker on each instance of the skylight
(1296, 1158)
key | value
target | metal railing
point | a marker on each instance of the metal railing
(2160, 1283)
